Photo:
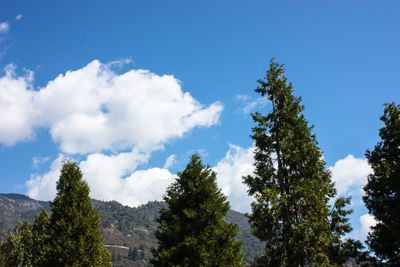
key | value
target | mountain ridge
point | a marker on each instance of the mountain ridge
(128, 232)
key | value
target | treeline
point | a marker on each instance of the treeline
(291, 213)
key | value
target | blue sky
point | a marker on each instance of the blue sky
(131, 89)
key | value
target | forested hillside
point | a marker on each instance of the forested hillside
(128, 232)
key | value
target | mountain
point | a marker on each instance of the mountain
(128, 232)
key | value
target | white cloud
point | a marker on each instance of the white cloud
(43, 187)
(237, 163)
(96, 112)
(367, 221)
(249, 104)
(105, 172)
(18, 17)
(242, 97)
(350, 172)
(18, 113)
(4, 27)
(145, 185)
(94, 109)
(116, 178)
(170, 162)
(37, 161)
(110, 177)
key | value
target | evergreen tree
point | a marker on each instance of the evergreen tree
(17, 251)
(26, 245)
(192, 229)
(382, 192)
(75, 238)
(290, 184)
(342, 250)
(40, 238)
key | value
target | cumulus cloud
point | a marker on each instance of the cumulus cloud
(350, 172)
(43, 187)
(4, 27)
(237, 163)
(367, 221)
(95, 109)
(110, 177)
(17, 110)
(114, 120)
(145, 185)
(117, 178)
(104, 172)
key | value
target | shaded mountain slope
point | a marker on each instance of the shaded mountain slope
(128, 232)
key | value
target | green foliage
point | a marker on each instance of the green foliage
(342, 250)
(17, 251)
(75, 238)
(15, 207)
(138, 233)
(290, 184)
(382, 192)
(40, 238)
(339, 227)
(192, 228)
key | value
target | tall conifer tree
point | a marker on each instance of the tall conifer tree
(75, 238)
(192, 228)
(290, 184)
(382, 192)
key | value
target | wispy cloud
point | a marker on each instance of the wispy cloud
(170, 162)
(37, 161)
(242, 97)
(249, 104)
(4, 27)
(18, 17)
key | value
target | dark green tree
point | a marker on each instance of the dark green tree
(290, 184)
(192, 229)
(342, 250)
(40, 238)
(75, 238)
(17, 251)
(27, 244)
(382, 192)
